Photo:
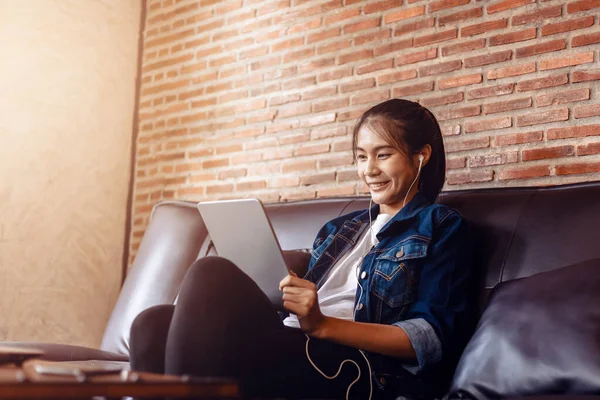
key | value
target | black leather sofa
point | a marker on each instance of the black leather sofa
(538, 286)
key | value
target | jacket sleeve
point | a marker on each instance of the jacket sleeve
(434, 321)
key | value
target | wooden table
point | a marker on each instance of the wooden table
(22, 382)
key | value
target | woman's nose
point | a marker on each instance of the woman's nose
(371, 168)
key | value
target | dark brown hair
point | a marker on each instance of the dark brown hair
(408, 126)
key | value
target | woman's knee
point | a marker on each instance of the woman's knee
(148, 338)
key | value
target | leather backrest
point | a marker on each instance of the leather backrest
(518, 232)
(170, 245)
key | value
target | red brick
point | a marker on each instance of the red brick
(335, 74)
(300, 83)
(273, 7)
(269, 62)
(467, 144)
(548, 152)
(381, 6)
(584, 76)
(582, 5)
(342, 15)
(577, 59)
(450, 130)
(515, 70)
(355, 56)
(336, 161)
(547, 47)
(542, 83)
(330, 105)
(221, 162)
(251, 185)
(273, 154)
(320, 92)
(566, 26)
(436, 37)
(298, 166)
(445, 4)
(442, 100)
(216, 189)
(584, 40)
(396, 77)
(315, 179)
(460, 16)
(524, 173)
(510, 105)
(463, 47)
(292, 111)
(563, 97)
(344, 176)
(454, 113)
(305, 26)
(588, 149)
(414, 26)
(289, 98)
(490, 91)
(487, 160)
(573, 132)
(413, 58)
(561, 114)
(579, 168)
(589, 110)
(393, 47)
(362, 25)
(463, 80)
(294, 56)
(459, 178)
(487, 59)
(507, 5)
(404, 14)
(456, 163)
(513, 37)
(484, 27)
(345, 190)
(380, 35)
(316, 37)
(315, 65)
(413, 89)
(307, 122)
(518, 138)
(371, 97)
(488, 125)
(440, 68)
(346, 144)
(294, 138)
(357, 85)
(537, 15)
(312, 149)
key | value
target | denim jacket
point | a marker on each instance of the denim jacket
(415, 278)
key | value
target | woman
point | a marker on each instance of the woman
(386, 290)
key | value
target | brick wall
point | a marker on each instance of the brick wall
(257, 98)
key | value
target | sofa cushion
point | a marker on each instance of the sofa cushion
(538, 335)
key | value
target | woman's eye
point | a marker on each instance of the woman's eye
(361, 157)
(383, 155)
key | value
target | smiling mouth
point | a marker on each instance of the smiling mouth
(377, 186)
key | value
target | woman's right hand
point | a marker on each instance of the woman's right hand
(300, 298)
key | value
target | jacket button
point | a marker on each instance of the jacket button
(401, 252)
(382, 380)
(359, 306)
(363, 275)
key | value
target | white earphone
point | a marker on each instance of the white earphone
(421, 159)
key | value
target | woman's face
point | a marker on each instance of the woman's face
(387, 171)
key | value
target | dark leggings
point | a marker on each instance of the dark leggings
(224, 326)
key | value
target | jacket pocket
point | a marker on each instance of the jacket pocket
(396, 271)
(320, 247)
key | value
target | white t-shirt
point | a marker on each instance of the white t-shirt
(338, 293)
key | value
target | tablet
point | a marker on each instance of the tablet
(10, 354)
(242, 233)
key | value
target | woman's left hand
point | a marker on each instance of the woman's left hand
(300, 298)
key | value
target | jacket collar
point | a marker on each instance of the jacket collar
(410, 210)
